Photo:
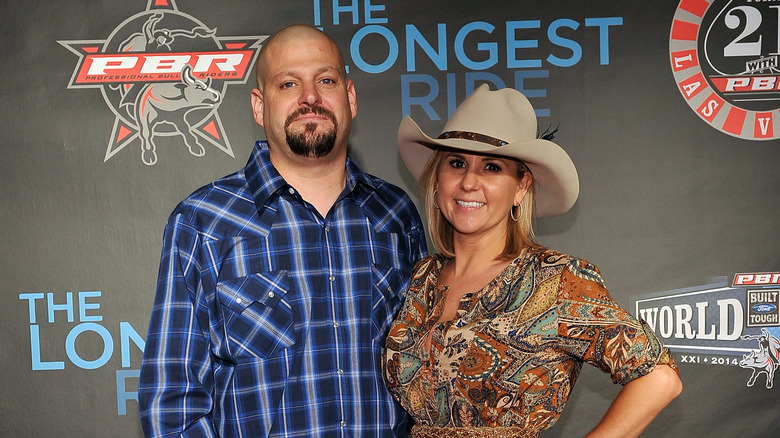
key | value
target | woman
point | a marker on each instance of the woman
(495, 328)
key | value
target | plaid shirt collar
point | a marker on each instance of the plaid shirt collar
(265, 181)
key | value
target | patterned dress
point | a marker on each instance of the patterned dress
(515, 348)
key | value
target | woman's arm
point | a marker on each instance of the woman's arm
(638, 403)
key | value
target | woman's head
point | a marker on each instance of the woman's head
(500, 124)
(471, 193)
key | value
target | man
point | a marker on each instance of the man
(278, 283)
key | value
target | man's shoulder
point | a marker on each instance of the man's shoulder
(214, 197)
(388, 206)
(386, 187)
(389, 196)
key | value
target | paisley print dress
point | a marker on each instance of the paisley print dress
(513, 352)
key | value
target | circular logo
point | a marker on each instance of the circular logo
(764, 308)
(725, 58)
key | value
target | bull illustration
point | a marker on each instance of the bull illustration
(161, 37)
(152, 38)
(170, 103)
(764, 360)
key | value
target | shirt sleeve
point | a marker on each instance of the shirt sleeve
(175, 386)
(594, 328)
(416, 236)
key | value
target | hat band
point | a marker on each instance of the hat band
(474, 137)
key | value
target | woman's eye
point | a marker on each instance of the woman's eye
(457, 163)
(493, 167)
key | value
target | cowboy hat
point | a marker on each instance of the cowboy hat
(501, 123)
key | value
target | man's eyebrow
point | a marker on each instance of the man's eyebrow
(295, 74)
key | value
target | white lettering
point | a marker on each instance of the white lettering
(100, 65)
(225, 62)
(738, 312)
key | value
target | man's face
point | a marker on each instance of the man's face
(306, 102)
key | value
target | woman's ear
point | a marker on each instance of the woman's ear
(523, 185)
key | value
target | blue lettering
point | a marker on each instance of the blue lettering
(35, 353)
(338, 9)
(67, 307)
(530, 93)
(490, 47)
(122, 394)
(370, 8)
(31, 297)
(512, 45)
(317, 13)
(392, 43)
(603, 25)
(439, 58)
(84, 306)
(423, 102)
(70, 346)
(576, 50)
(126, 334)
(473, 78)
(451, 95)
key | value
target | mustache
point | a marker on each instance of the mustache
(317, 109)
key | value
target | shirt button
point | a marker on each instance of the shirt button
(389, 288)
(343, 423)
(340, 371)
(332, 278)
(291, 190)
(336, 324)
(270, 294)
(239, 300)
(327, 229)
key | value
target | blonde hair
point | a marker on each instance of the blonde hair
(520, 233)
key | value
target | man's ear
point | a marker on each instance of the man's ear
(257, 105)
(352, 97)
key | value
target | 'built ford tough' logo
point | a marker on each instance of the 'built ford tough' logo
(164, 73)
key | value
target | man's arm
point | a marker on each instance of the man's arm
(175, 387)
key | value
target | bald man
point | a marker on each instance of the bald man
(278, 283)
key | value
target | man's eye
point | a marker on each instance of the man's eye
(328, 81)
(287, 85)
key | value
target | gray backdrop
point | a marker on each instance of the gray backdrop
(668, 200)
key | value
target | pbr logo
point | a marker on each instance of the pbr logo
(164, 73)
(724, 57)
(719, 324)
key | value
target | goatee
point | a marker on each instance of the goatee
(309, 143)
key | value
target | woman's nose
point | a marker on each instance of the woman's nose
(470, 181)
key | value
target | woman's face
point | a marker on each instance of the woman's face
(476, 192)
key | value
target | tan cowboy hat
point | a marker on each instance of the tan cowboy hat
(499, 123)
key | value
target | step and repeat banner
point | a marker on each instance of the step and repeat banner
(115, 111)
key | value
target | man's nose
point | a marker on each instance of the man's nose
(310, 95)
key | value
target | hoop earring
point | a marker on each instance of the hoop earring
(512, 212)
(433, 199)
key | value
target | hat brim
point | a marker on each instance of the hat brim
(556, 180)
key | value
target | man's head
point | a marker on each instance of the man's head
(303, 99)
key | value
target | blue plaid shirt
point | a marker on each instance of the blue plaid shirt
(269, 320)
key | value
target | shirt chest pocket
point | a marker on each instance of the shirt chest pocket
(388, 290)
(258, 317)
